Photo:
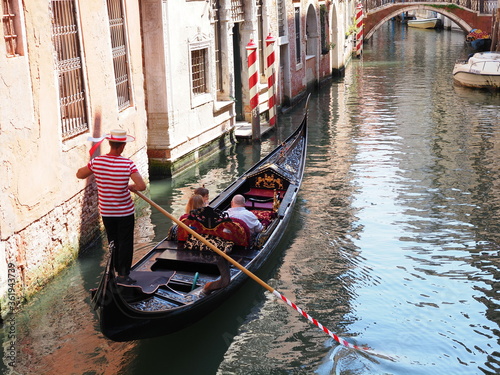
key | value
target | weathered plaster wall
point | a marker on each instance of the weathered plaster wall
(46, 212)
(179, 121)
(195, 120)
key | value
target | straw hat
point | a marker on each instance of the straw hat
(116, 135)
(119, 135)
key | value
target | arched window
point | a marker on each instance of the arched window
(311, 32)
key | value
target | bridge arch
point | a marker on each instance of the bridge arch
(459, 21)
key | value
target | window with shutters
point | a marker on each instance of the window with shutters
(261, 39)
(282, 18)
(218, 42)
(323, 14)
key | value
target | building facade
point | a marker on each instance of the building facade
(172, 73)
(196, 66)
(64, 65)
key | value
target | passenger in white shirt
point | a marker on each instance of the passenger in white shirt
(239, 211)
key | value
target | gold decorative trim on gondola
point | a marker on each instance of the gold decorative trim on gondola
(269, 181)
(270, 178)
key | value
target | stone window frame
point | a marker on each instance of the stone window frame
(12, 18)
(70, 67)
(120, 52)
(201, 43)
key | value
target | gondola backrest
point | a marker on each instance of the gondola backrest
(234, 230)
(268, 179)
(266, 189)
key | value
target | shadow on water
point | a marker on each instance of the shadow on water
(208, 339)
(200, 348)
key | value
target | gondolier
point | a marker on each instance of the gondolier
(113, 173)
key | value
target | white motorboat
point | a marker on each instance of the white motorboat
(424, 23)
(481, 70)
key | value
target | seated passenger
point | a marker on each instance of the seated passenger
(239, 211)
(196, 201)
(204, 193)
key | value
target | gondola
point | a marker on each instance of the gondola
(167, 295)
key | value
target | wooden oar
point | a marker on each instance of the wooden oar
(262, 283)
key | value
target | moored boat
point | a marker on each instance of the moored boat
(478, 40)
(169, 279)
(481, 70)
(425, 23)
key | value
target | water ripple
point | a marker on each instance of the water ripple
(398, 248)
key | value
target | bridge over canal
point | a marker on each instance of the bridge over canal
(467, 14)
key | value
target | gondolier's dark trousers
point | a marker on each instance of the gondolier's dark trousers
(120, 231)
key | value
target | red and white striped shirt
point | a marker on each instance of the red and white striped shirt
(112, 174)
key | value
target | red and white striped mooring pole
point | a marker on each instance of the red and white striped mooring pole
(253, 80)
(271, 79)
(359, 28)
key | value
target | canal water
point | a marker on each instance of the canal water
(393, 244)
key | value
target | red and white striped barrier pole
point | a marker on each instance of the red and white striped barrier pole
(338, 339)
(359, 29)
(271, 79)
(253, 80)
(318, 324)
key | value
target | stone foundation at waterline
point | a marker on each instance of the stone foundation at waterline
(38, 252)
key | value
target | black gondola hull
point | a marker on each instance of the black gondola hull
(121, 320)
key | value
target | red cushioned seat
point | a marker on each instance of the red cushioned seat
(264, 193)
(265, 216)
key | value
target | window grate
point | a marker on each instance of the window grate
(323, 11)
(198, 71)
(237, 11)
(298, 50)
(119, 50)
(11, 34)
(66, 41)
(281, 18)
(260, 36)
